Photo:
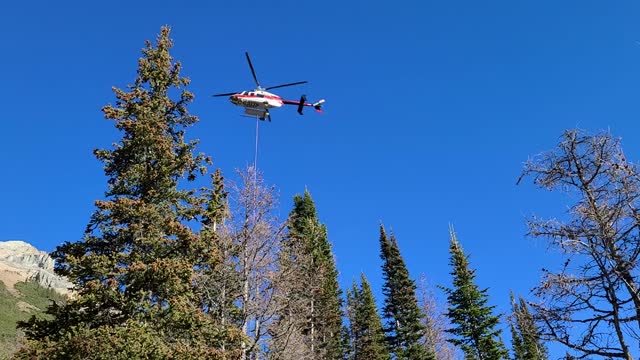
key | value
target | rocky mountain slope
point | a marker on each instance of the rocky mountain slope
(27, 286)
(21, 262)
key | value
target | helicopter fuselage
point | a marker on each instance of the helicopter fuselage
(256, 99)
(258, 102)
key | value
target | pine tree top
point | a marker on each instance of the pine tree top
(307, 250)
(304, 210)
(403, 316)
(473, 323)
(367, 335)
(137, 262)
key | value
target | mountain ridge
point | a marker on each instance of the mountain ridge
(22, 262)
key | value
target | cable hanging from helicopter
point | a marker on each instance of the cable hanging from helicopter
(259, 101)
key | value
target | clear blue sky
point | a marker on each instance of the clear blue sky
(432, 107)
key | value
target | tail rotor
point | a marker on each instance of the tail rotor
(318, 105)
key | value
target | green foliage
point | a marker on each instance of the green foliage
(517, 344)
(10, 314)
(31, 299)
(527, 344)
(34, 294)
(327, 299)
(136, 266)
(307, 255)
(404, 328)
(474, 325)
(130, 340)
(367, 335)
(218, 278)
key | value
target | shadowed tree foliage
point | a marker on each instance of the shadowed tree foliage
(310, 323)
(367, 336)
(517, 343)
(403, 317)
(525, 335)
(134, 272)
(591, 303)
(473, 324)
(218, 281)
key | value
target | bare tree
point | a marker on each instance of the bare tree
(254, 232)
(435, 321)
(591, 303)
(238, 287)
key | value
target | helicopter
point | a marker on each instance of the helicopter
(257, 102)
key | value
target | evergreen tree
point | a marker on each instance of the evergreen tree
(218, 280)
(525, 335)
(134, 271)
(516, 343)
(474, 325)
(367, 336)
(312, 313)
(404, 327)
(326, 310)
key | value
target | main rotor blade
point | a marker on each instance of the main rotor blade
(225, 94)
(291, 84)
(252, 70)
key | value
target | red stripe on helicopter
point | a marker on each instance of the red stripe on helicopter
(258, 97)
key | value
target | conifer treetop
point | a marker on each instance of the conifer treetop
(403, 316)
(367, 336)
(154, 127)
(473, 324)
(136, 266)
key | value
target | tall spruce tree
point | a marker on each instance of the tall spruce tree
(367, 335)
(403, 317)
(312, 310)
(134, 272)
(474, 325)
(527, 344)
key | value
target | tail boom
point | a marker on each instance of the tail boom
(303, 102)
